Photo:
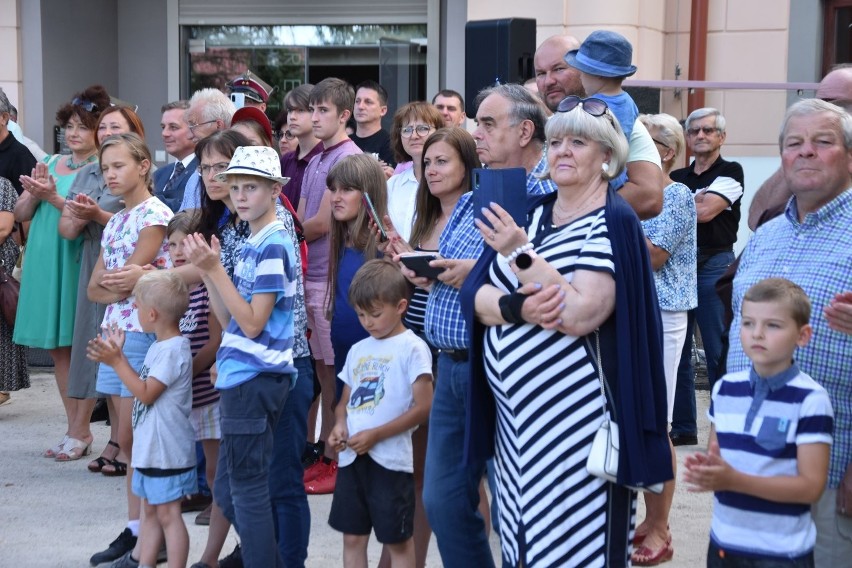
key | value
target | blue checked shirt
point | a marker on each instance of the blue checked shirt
(536, 186)
(445, 326)
(816, 254)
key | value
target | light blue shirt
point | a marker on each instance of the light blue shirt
(673, 230)
(816, 254)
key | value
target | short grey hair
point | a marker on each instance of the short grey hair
(5, 105)
(216, 105)
(700, 113)
(603, 129)
(806, 107)
(523, 105)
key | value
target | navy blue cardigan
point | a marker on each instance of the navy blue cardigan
(638, 387)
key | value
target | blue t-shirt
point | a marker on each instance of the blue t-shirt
(626, 111)
(346, 330)
(267, 265)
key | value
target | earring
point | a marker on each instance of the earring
(605, 167)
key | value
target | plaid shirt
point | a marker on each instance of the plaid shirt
(445, 326)
(816, 254)
(536, 186)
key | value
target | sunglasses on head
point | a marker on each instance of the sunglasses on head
(89, 106)
(593, 106)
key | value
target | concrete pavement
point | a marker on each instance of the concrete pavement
(56, 515)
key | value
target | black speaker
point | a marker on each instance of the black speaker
(497, 51)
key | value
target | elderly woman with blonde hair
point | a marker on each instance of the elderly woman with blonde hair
(559, 309)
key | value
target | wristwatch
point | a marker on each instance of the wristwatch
(525, 259)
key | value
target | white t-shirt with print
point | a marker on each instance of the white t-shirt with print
(379, 373)
(163, 437)
(118, 242)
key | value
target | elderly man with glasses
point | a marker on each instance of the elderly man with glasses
(717, 187)
(209, 110)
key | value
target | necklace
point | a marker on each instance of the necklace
(562, 216)
(72, 165)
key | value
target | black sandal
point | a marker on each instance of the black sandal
(97, 465)
(119, 471)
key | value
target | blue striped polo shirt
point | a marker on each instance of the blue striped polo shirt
(759, 428)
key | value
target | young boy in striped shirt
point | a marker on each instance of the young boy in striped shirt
(255, 360)
(771, 429)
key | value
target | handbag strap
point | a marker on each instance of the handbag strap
(601, 376)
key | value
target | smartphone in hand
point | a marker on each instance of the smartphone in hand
(419, 263)
(371, 211)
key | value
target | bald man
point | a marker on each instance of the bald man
(553, 76)
(556, 80)
(770, 199)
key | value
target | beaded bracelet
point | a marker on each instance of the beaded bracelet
(520, 250)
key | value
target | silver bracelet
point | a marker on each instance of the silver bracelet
(520, 250)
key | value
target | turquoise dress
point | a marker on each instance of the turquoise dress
(51, 269)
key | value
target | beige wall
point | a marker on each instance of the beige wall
(10, 60)
(740, 34)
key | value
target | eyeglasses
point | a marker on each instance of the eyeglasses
(192, 127)
(89, 106)
(420, 129)
(663, 144)
(286, 135)
(707, 130)
(593, 106)
(207, 169)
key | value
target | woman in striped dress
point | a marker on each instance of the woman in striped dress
(548, 307)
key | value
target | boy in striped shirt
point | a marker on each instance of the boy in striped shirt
(255, 360)
(771, 428)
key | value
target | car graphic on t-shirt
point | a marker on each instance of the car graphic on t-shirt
(368, 394)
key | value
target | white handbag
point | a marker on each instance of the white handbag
(603, 458)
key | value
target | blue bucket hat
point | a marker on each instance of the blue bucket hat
(605, 54)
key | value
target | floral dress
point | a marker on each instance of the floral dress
(13, 358)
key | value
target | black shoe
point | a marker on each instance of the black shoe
(312, 454)
(684, 439)
(233, 560)
(196, 502)
(117, 548)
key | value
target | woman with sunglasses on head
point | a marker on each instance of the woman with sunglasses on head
(412, 125)
(558, 309)
(88, 207)
(49, 282)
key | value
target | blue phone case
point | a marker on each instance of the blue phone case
(506, 187)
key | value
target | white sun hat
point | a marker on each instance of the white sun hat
(260, 161)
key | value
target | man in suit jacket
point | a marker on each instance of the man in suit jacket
(170, 181)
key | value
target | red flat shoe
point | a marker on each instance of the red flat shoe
(644, 556)
(638, 539)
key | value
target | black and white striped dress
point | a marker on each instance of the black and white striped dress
(549, 406)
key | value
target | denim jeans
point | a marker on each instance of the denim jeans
(290, 509)
(728, 560)
(709, 315)
(451, 488)
(250, 413)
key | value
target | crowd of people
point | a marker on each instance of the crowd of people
(318, 266)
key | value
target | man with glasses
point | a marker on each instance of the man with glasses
(510, 133)
(170, 181)
(717, 187)
(209, 110)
